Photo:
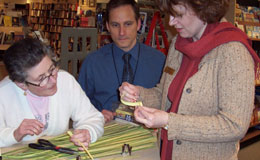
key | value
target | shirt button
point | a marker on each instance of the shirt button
(178, 142)
(188, 90)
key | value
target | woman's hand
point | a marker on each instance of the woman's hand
(81, 135)
(28, 127)
(129, 92)
(150, 117)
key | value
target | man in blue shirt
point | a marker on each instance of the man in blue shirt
(101, 72)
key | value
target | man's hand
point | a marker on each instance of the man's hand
(81, 135)
(28, 127)
(129, 92)
(108, 115)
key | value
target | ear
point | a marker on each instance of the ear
(107, 25)
(138, 24)
(23, 86)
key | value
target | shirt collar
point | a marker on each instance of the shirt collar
(134, 51)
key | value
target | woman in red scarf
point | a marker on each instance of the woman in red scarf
(206, 93)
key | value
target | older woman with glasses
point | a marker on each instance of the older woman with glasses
(37, 99)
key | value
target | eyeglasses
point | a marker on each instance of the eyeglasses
(53, 71)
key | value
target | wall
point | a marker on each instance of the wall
(230, 15)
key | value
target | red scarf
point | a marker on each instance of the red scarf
(213, 36)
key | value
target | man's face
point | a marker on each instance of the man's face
(123, 27)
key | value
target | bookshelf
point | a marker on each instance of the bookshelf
(50, 18)
(252, 131)
(247, 18)
(7, 30)
(243, 20)
(10, 29)
(250, 24)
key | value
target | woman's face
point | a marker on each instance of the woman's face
(187, 23)
(44, 75)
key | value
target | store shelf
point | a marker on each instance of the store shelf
(147, 2)
(4, 46)
(7, 31)
(248, 23)
(255, 39)
(252, 133)
(10, 29)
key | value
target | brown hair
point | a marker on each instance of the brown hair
(112, 4)
(209, 11)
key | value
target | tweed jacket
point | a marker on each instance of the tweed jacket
(216, 104)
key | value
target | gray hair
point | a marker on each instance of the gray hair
(23, 55)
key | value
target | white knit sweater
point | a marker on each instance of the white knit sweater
(68, 102)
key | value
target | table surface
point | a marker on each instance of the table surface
(145, 154)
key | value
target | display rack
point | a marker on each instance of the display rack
(252, 131)
(50, 18)
(7, 30)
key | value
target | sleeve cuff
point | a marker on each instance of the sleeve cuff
(7, 138)
(173, 128)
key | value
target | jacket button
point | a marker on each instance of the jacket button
(188, 90)
(178, 142)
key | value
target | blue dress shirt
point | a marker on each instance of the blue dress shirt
(100, 77)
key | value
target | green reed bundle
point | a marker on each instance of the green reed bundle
(115, 136)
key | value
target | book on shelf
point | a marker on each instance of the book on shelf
(18, 36)
(15, 21)
(9, 38)
(2, 37)
(240, 26)
(24, 21)
(143, 17)
(255, 119)
(253, 31)
(258, 115)
(248, 17)
(39, 35)
(247, 13)
(7, 21)
(1, 19)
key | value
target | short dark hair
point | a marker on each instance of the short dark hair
(112, 4)
(23, 55)
(209, 11)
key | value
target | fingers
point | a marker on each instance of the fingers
(129, 92)
(141, 116)
(150, 117)
(33, 130)
(81, 148)
(81, 137)
(147, 109)
(108, 115)
(28, 127)
(128, 97)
